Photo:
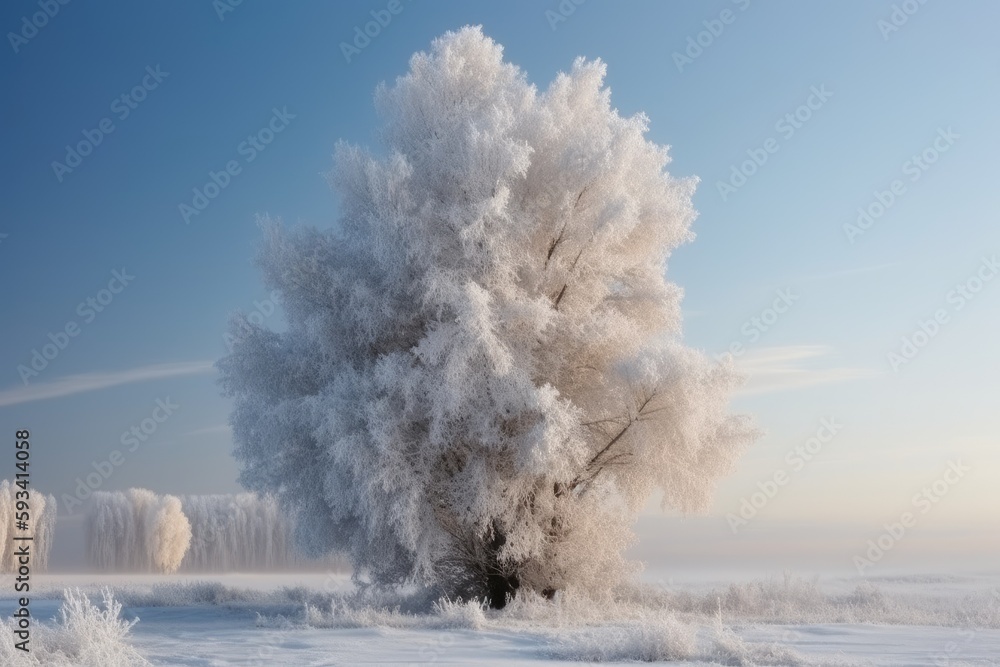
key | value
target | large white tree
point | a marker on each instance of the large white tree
(482, 380)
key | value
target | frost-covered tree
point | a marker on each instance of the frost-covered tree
(236, 533)
(42, 520)
(482, 380)
(136, 531)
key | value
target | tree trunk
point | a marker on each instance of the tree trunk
(499, 587)
(501, 581)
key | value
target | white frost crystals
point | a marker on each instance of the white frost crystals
(482, 379)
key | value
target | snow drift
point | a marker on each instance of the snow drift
(773, 621)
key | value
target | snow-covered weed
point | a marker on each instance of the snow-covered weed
(731, 649)
(460, 614)
(83, 635)
(649, 641)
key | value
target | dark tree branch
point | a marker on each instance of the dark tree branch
(552, 246)
(560, 296)
(597, 463)
(558, 240)
(601, 422)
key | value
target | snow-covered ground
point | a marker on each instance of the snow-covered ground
(319, 619)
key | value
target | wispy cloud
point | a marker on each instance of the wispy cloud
(84, 382)
(851, 272)
(789, 367)
(211, 430)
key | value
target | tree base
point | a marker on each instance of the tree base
(500, 588)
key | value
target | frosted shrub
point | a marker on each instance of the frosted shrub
(730, 649)
(482, 380)
(460, 614)
(344, 614)
(653, 640)
(83, 634)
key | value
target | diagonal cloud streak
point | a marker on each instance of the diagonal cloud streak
(211, 430)
(786, 368)
(84, 382)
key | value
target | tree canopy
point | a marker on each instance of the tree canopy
(482, 380)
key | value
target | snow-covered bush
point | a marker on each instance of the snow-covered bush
(83, 634)
(482, 380)
(653, 640)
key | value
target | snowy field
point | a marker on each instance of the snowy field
(317, 619)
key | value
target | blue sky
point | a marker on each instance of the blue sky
(879, 97)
